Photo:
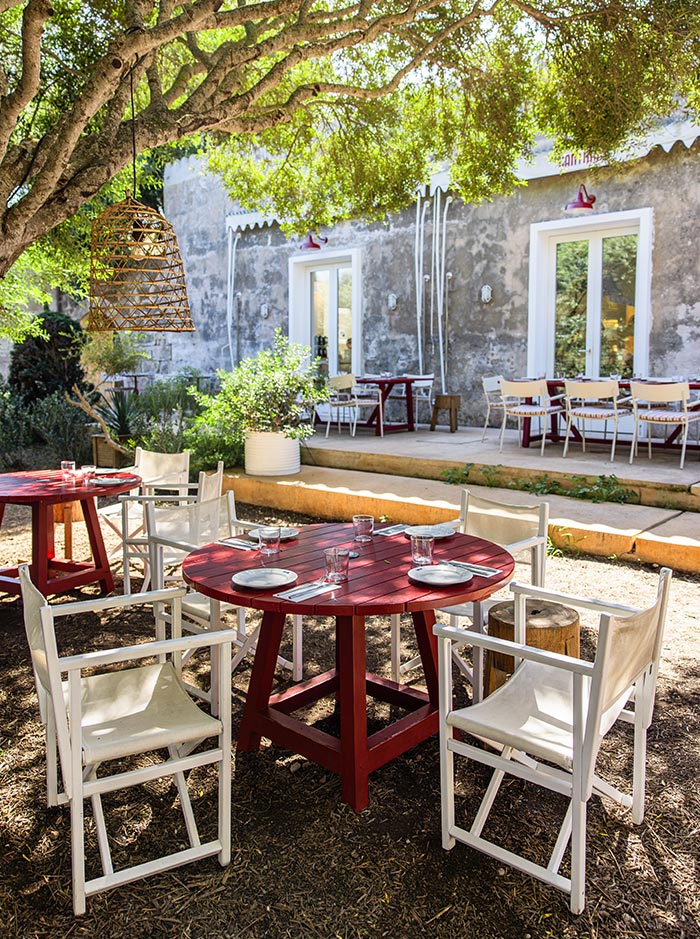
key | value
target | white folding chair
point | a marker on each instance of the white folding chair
(648, 399)
(421, 390)
(593, 401)
(527, 399)
(166, 472)
(176, 530)
(339, 402)
(494, 402)
(519, 529)
(97, 722)
(546, 723)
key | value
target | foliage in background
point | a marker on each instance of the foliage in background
(62, 428)
(275, 391)
(49, 362)
(119, 409)
(165, 410)
(15, 428)
(116, 353)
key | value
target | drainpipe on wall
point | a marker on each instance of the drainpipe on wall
(230, 295)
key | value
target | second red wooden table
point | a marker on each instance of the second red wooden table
(378, 585)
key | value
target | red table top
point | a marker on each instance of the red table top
(48, 486)
(378, 582)
(388, 380)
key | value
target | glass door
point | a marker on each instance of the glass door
(595, 304)
(331, 317)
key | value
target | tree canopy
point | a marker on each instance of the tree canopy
(314, 109)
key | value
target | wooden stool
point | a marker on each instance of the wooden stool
(550, 626)
(446, 403)
(67, 513)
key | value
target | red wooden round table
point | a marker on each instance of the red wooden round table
(42, 489)
(378, 584)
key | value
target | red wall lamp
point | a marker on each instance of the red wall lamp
(582, 204)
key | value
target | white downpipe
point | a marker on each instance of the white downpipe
(420, 276)
(440, 260)
(434, 264)
(230, 295)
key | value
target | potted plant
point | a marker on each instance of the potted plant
(268, 404)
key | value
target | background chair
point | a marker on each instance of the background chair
(520, 529)
(528, 399)
(176, 530)
(422, 391)
(593, 401)
(648, 400)
(546, 724)
(96, 722)
(348, 399)
(494, 402)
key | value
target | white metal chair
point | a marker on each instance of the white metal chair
(517, 528)
(546, 724)
(176, 530)
(593, 401)
(422, 392)
(648, 399)
(528, 399)
(95, 722)
(166, 472)
(347, 399)
(494, 402)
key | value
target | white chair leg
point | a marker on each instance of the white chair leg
(566, 438)
(503, 430)
(686, 428)
(639, 767)
(297, 648)
(395, 647)
(486, 423)
(578, 855)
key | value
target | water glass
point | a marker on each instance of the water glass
(364, 527)
(68, 470)
(422, 549)
(88, 471)
(337, 565)
(269, 538)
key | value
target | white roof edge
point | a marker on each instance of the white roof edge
(247, 221)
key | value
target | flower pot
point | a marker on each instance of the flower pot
(271, 454)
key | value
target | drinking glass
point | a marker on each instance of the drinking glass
(422, 549)
(88, 471)
(68, 470)
(337, 565)
(364, 527)
(269, 538)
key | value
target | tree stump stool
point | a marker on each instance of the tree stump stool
(66, 513)
(550, 626)
(449, 403)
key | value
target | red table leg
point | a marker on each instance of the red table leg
(261, 678)
(350, 646)
(42, 544)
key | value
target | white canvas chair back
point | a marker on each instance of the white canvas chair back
(592, 401)
(492, 393)
(547, 721)
(647, 401)
(96, 720)
(210, 485)
(542, 405)
(163, 470)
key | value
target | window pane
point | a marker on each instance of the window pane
(345, 319)
(570, 323)
(617, 326)
(320, 295)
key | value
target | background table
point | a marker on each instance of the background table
(386, 386)
(42, 489)
(378, 585)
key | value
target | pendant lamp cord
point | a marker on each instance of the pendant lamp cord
(133, 127)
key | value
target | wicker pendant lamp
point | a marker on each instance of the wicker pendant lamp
(137, 280)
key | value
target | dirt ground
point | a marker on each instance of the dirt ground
(305, 865)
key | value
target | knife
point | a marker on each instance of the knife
(241, 545)
(306, 591)
(480, 569)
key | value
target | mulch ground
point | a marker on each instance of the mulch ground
(305, 865)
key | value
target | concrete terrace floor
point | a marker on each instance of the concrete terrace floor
(399, 477)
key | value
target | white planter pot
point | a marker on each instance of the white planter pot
(271, 454)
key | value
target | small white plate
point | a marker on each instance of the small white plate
(264, 578)
(286, 534)
(439, 575)
(430, 531)
(114, 481)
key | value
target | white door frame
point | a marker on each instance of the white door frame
(542, 288)
(300, 266)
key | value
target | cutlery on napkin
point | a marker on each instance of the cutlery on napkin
(392, 530)
(241, 545)
(306, 591)
(479, 569)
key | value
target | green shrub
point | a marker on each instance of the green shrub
(15, 428)
(63, 428)
(44, 364)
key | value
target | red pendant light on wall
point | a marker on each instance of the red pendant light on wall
(309, 242)
(582, 204)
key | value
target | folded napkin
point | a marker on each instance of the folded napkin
(305, 591)
(392, 530)
(240, 545)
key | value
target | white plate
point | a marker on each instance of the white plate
(439, 575)
(264, 578)
(114, 481)
(431, 531)
(286, 534)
